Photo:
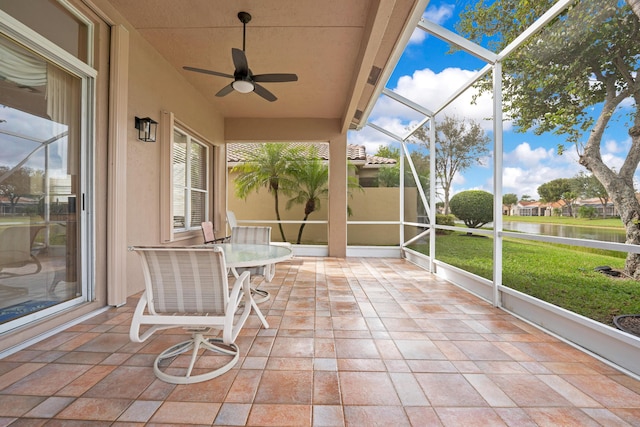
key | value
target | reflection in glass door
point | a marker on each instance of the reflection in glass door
(40, 111)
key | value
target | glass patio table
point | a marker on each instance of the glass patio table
(238, 255)
(247, 255)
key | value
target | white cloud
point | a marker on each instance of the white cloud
(485, 161)
(526, 168)
(458, 179)
(521, 181)
(612, 146)
(613, 161)
(437, 14)
(524, 155)
(431, 90)
(417, 36)
(370, 138)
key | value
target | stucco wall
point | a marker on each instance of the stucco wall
(153, 87)
(372, 204)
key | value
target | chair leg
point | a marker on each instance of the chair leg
(259, 313)
(196, 343)
(259, 295)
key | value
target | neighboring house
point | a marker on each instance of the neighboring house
(536, 208)
(529, 208)
(608, 210)
(22, 207)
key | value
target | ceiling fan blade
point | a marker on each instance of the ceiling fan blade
(240, 61)
(213, 73)
(264, 93)
(275, 78)
(225, 91)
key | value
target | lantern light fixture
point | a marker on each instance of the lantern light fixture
(147, 129)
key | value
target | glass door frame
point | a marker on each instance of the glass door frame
(31, 40)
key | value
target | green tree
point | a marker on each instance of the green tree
(15, 184)
(588, 212)
(269, 167)
(588, 186)
(460, 143)
(312, 175)
(473, 207)
(559, 189)
(389, 176)
(421, 163)
(388, 152)
(570, 79)
(510, 199)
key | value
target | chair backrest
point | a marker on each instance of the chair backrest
(207, 232)
(251, 234)
(185, 280)
(231, 219)
(16, 243)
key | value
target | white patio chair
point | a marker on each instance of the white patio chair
(188, 288)
(231, 219)
(254, 235)
(17, 249)
(209, 235)
(233, 222)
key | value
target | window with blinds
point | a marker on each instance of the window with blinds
(190, 188)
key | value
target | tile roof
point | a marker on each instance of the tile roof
(238, 152)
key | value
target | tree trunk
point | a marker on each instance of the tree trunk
(619, 185)
(275, 194)
(604, 208)
(446, 200)
(301, 228)
(623, 196)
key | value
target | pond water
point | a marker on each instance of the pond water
(591, 233)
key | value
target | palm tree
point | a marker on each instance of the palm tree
(268, 166)
(312, 176)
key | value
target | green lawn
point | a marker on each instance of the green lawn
(565, 220)
(557, 274)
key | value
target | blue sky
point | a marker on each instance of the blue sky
(428, 75)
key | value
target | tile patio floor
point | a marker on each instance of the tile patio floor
(356, 342)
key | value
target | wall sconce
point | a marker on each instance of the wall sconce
(147, 129)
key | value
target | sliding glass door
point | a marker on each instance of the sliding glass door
(45, 117)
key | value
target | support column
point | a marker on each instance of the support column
(497, 183)
(338, 197)
(117, 158)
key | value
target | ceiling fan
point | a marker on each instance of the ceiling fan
(244, 81)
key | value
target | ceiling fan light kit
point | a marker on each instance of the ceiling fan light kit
(244, 81)
(242, 86)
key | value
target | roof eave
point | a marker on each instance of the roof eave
(359, 108)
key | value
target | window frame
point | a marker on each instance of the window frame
(169, 123)
(188, 188)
